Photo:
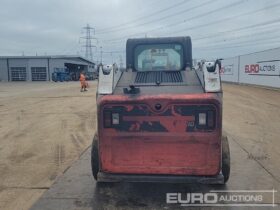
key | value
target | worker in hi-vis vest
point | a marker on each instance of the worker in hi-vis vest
(83, 82)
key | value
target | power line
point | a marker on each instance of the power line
(137, 19)
(242, 36)
(118, 27)
(235, 46)
(165, 17)
(208, 24)
(250, 36)
(244, 42)
(240, 29)
(219, 34)
(217, 21)
(223, 44)
(115, 51)
(192, 18)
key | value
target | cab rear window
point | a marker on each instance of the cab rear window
(158, 57)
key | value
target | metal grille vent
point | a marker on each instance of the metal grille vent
(159, 76)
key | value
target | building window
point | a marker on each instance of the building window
(39, 73)
(18, 73)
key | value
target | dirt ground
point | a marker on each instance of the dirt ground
(252, 120)
(45, 127)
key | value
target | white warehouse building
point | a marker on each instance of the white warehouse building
(40, 68)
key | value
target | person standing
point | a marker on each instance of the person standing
(83, 82)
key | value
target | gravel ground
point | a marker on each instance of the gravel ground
(45, 127)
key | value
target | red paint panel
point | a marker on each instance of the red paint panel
(175, 152)
(169, 122)
(161, 155)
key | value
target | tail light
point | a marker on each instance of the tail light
(115, 118)
(205, 120)
(202, 119)
(111, 118)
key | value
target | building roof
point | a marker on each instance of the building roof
(48, 57)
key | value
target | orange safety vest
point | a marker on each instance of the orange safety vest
(83, 80)
(82, 77)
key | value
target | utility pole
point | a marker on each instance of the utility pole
(112, 57)
(88, 41)
(101, 54)
(121, 62)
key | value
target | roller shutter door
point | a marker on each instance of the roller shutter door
(18, 73)
(39, 73)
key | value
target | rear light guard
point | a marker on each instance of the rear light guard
(205, 116)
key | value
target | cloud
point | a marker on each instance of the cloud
(54, 27)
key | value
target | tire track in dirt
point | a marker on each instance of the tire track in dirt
(22, 107)
(59, 152)
(76, 143)
(59, 157)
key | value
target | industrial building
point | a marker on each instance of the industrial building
(40, 68)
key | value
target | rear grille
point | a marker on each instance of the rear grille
(159, 76)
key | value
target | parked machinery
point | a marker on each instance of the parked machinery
(160, 119)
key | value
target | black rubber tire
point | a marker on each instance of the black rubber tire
(225, 159)
(219, 63)
(94, 157)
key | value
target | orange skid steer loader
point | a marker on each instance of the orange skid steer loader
(160, 119)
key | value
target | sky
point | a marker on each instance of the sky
(218, 28)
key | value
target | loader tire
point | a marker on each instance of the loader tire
(94, 157)
(225, 159)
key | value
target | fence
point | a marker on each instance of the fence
(260, 68)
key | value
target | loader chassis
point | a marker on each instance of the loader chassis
(158, 121)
